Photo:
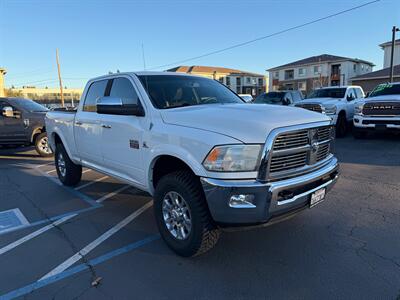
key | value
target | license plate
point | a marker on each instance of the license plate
(317, 197)
(380, 127)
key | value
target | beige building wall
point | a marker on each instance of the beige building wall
(2, 85)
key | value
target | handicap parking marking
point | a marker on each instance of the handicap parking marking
(84, 251)
(77, 269)
(12, 219)
(35, 234)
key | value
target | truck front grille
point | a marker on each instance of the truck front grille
(297, 151)
(382, 109)
(312, 107)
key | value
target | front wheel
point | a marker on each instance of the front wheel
(69, 173)
(42, 145)
(341, 126)
(182, 214)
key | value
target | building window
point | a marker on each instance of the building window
(247, 79)
(221, 79)
(228, 81)
(302, 71)
(276, 74)
(238, 81)
(289, 74)
(317, 70)
(238, 90)
(302, 86)
(260, 81)
(355, 67)
(362, 67)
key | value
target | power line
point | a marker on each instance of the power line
(267, 36)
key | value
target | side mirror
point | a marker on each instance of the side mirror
(350, 98)
(115, 106)
(286, 101)
(367, 95)
(8, 112)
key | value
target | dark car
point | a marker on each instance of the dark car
(22, 123)
(279, 98)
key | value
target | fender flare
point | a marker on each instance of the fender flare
(52, 142)
(176, 152)
(36, 131)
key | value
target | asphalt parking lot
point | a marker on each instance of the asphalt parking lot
(100, 241)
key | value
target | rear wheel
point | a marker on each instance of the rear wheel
(182, 214)
(69, 173)
(341, 125)
(42, 145)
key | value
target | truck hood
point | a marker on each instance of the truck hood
(325, 101)
(248, 123)
(383, 98)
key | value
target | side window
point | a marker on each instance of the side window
(359, 93)
(289, 97)
(351, 94)
(296, 97)
(123, 88)
(96, 90)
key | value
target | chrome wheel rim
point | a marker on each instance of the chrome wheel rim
(177, 216)
(61, 165)
(43, 145)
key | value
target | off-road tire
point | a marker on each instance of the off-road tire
(204, 233)
(38, 140)
(73, 173)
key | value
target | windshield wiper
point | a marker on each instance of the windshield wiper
(176, 106)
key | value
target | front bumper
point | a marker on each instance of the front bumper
(270, 199)
(372, 123)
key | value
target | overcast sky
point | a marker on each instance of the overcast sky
(95, 37)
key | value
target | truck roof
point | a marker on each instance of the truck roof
(143, 73)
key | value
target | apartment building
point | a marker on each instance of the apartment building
(240, 82)
(317, 71)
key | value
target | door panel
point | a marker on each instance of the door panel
(87, 126)
(122, 136)
(12, 130)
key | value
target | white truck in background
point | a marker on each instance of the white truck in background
(208, 159)
(380, 111)
(336, 102)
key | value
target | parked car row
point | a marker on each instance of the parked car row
(346, 106)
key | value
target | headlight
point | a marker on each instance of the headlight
(330, 110)
(233, 158)
(358, 108)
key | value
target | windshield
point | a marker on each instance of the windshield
(270, 98)
(386, 89)
(170, 91)
(30, 105)
(328, 93)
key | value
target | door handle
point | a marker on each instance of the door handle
(106, 126)
(78, 123)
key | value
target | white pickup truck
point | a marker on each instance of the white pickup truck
(379, 111)
(208, 159)
(336, 102)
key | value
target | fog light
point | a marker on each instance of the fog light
(242, 201)
(356, 121)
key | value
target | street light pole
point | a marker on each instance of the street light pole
(394, 29)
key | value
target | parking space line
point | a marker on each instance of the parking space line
(84, 251)
(54, 170)
(49, 163)
(75, 270)
(105, 197)
(91, 182)
(34, 234)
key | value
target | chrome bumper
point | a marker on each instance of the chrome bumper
(269, 200)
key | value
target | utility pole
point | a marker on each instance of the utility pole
(394, 29)
(59, 78)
